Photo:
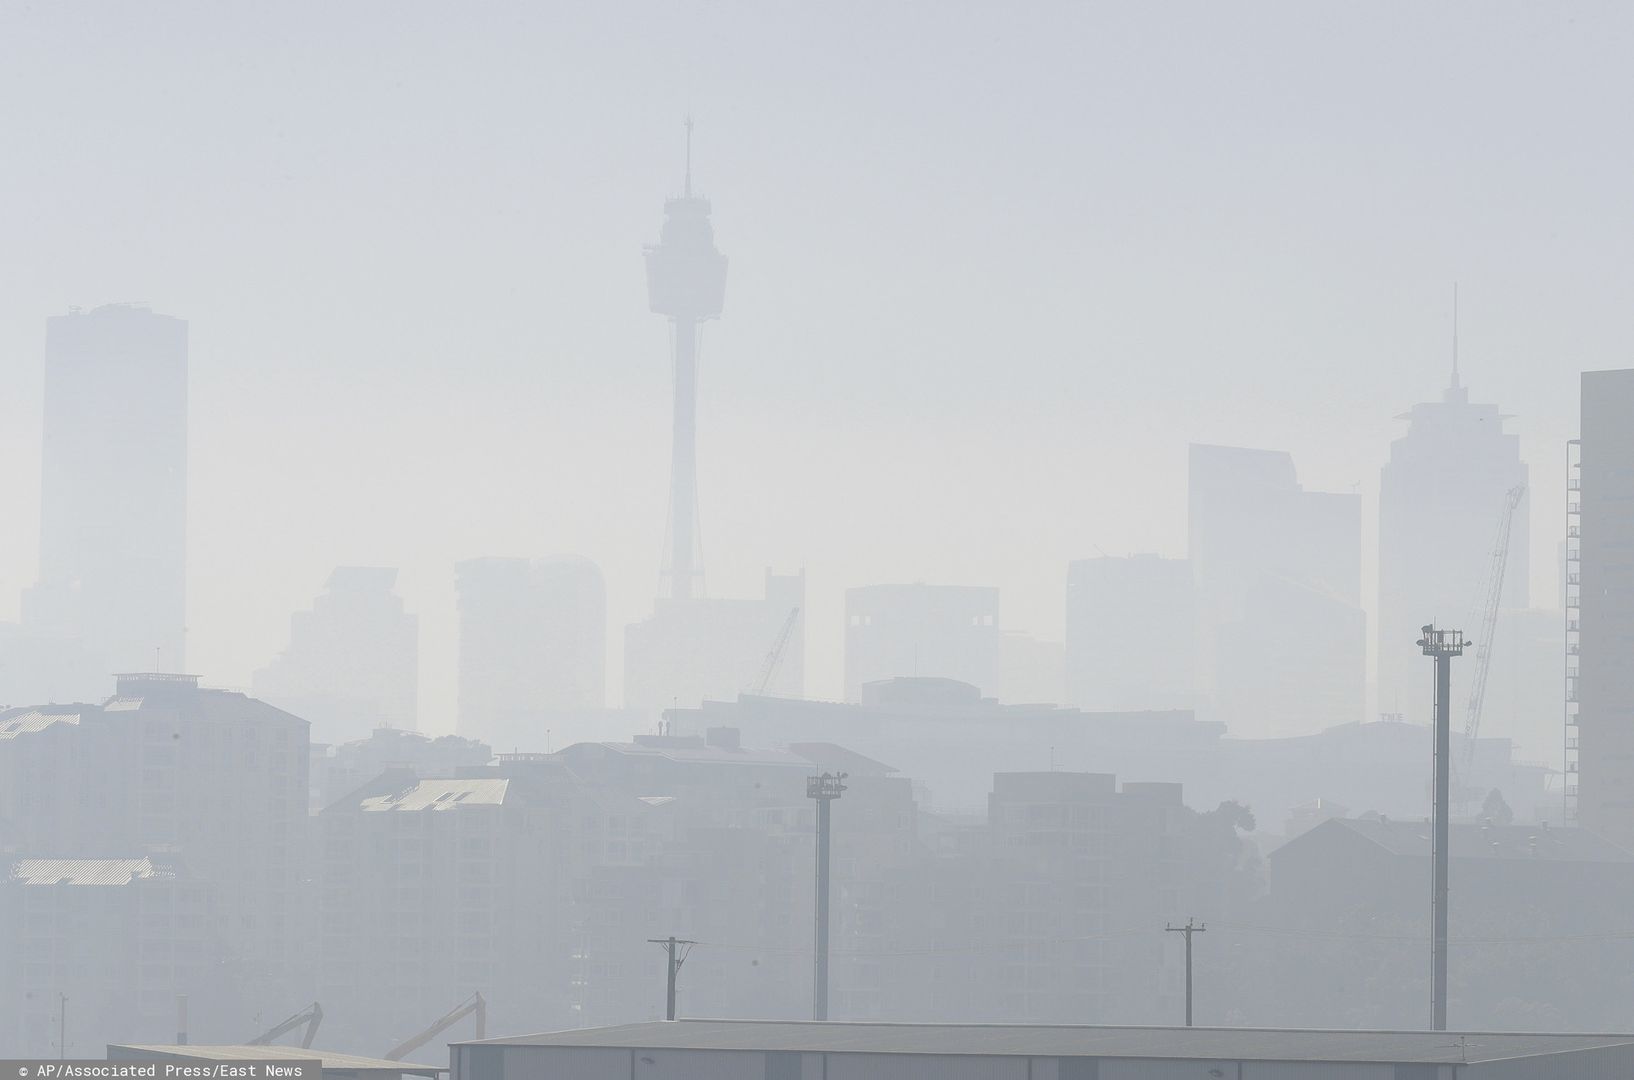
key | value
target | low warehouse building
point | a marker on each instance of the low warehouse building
(773, 1050)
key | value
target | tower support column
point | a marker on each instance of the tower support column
(684, 460)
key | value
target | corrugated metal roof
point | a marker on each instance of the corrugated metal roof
(1239, 1044)
(18, 722)
(328, 1058)
(440, 794)
(84, 871)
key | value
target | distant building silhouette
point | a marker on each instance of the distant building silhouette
(353, 662)
(952, 739)
(1604, 668)
(112, 590)
(1349, 897)
(1281, 636)
(533, 644)
(1031, 669)
(930, 631)
(1129, 633)
(1441, 496)
(688, 651)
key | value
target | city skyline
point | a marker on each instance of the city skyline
(1164, 474)
(1335, 356)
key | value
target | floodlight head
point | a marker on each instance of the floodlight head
(826, 786)
(1442, 642)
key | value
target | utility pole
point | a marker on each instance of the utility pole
(1189, 929)
(675, 960)
(1443, 645)
(825, 789)
(62, 1025)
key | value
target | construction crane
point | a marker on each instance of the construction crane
(1489, 621)
(473, 1004)
(775, 656)
(311, 1016)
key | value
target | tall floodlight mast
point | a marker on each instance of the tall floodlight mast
(1443, 645)
(824, 789)
(686, 282)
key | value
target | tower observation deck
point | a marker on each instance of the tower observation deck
(686, 282)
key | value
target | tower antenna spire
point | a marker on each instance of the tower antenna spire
(688, 191)
(1455, 324)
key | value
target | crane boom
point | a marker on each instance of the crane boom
(311, 1016)
(775, 656)
(473, 1004)
(1489, 620)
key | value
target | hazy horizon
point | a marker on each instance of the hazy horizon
(987, 281)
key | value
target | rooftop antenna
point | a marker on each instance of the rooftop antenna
(1455, 304)
(687, 194)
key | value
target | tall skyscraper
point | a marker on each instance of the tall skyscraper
(1116, 609)
(1281, 646)
(686, 282)
(1442, 496)
(941, 631)
(1603, 680)
(533, 645)
(113, 493)
(353, 662)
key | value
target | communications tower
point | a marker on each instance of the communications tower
(686, 282)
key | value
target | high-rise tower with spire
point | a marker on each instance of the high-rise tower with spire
(686, 282)
(1441, 495)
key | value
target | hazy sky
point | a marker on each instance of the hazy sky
(992, 267)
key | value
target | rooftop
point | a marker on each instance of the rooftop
(16, 722)
(1471, 841)
(1241, 1044)
(440, 794)
(85, 871)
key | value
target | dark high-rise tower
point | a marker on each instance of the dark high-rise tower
(1600, 678)
(686, 281)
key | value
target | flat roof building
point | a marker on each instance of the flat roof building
(773, 1050)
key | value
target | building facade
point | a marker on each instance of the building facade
(692, 650)
(1129, 633)
(1604, 679)
(168, 769)
(353, 662)
(533, 646)
(1281, 645)
(930, 631)
(112, 940)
